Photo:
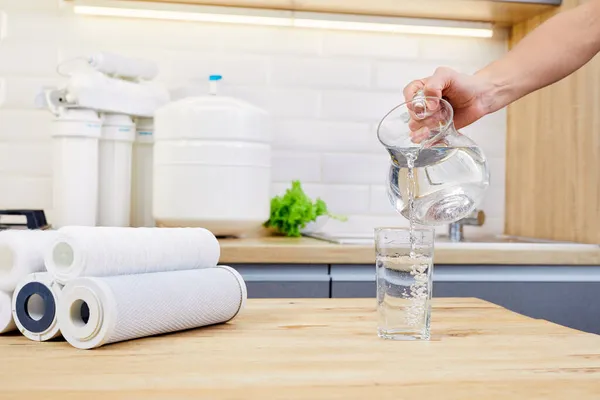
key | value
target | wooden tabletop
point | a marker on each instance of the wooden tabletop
(319, 349)
(282, 250)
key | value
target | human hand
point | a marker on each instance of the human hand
(469, 96)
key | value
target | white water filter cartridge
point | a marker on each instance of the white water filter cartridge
(7, 324)
(141, 185)
(114, 188)
(22, 253)
(75, 167)
(104, 251)
(34, 305)
(97, 311)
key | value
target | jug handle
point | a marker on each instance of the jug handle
(420, 104)
(420, 108)
(419, 98)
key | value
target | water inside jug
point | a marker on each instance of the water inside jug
(437, 175)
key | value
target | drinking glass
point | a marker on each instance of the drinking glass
(404, 266)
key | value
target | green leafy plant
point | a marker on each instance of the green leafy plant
(291, 212)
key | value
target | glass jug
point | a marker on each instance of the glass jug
(450, 171)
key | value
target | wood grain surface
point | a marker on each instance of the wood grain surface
(273, 250)
(553, 155)
(319, 349)
(504, 13)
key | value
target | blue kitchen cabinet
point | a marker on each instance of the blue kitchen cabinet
(566, 295)
(352, 281)
(286, 281)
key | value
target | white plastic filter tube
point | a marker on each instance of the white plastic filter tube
(97, 311)
(141, 185)
(115, 153)
(34, 305)
(22, 253)
(7, 324)
(97, 91)
(75, 167)
(109, 251)
(125, 67)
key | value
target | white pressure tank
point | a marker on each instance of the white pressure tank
(212, 164)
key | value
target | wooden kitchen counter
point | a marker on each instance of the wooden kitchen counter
(319, 349)
(282, 250)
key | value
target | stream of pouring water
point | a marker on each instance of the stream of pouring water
(415, 310)
(411, 156)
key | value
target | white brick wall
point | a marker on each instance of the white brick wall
(320, 73)
(325, 90)
(354, 168)
(370, 46)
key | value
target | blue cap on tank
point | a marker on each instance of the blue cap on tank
(215, 78)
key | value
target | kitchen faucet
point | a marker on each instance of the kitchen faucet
(455, 229)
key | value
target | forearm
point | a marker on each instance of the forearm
(549, 53)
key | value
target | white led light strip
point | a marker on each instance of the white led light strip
(184, 12)
(180, 16)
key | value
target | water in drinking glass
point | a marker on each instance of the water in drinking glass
(404, 266)
(404, 296)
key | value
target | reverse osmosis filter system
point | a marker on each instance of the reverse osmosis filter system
(93, 136)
